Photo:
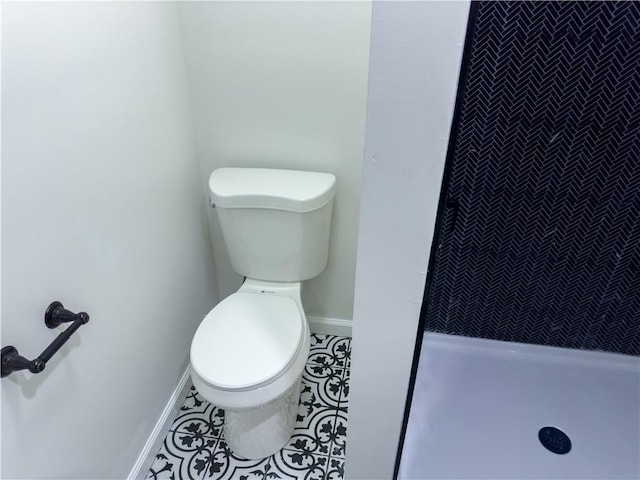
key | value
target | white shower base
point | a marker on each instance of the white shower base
(478, 405)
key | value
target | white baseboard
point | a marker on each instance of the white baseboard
(330, 326)
(152, 446)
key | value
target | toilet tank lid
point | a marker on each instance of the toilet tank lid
(291, 190)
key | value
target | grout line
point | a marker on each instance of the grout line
(212, 451)
(331, 445)
(218, 439)
(215, 437)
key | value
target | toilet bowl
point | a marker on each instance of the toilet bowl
(249, 352)
(247, 357)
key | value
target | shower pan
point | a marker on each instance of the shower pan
(478, 407)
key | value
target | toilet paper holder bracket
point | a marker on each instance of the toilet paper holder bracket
(54, 316)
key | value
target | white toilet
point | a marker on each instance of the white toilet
(249, 352)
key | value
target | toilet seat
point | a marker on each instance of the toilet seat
(247, 341)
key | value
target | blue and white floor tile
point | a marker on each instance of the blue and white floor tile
(195, 447)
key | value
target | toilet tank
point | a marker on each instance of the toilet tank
(275, 223)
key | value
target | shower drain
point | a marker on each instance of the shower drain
(554, 440)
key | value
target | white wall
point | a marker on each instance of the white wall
(102, 209)
(283, 85)
(415, 59)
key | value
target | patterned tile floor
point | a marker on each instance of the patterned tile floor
(195, 448)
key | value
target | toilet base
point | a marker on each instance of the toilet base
(257, 433)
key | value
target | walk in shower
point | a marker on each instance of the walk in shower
(532, 305)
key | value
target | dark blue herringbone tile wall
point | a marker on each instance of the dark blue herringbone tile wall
(546, 171)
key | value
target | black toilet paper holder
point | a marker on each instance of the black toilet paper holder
(54, 316)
